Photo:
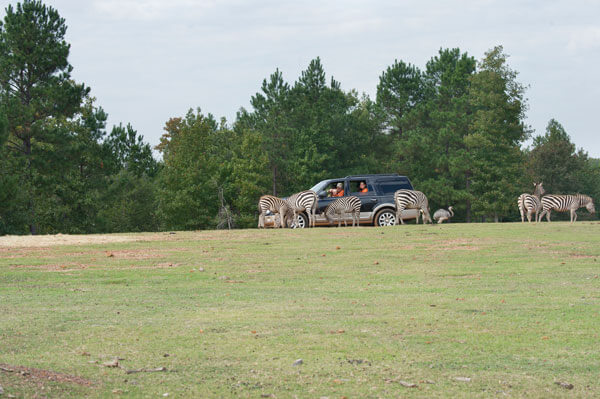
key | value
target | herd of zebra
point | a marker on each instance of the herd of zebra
(289, 209)
(540, 205)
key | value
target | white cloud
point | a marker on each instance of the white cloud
(148, 10)
(584, 38)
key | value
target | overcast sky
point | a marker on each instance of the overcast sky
(149, 60)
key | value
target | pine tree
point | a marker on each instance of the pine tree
(496, 133)
(36, 88)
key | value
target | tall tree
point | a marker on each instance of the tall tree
(269, 117)
(197, 161)
(496, 133)
(35, 82)
(400, 89)
(555, 161)
(432, 112)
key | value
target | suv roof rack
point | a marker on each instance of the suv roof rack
(369, 175)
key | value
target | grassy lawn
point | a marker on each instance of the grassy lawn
(462, 311)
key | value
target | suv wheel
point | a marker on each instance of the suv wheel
(386, 217)
(302, 222)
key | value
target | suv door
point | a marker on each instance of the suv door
(324, 201)
(368, 200)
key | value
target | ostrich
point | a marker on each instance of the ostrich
(442, 215)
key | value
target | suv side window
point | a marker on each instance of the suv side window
(333, 185)
(354, 187)
(390, 187)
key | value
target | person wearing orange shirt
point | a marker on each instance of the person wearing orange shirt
(362, 188)
(338, 191)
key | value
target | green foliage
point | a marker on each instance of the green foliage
(130, 152)
(128, 204)
(35, 86)
(195, 152)
(497, 132)
(430, 114)
(312, 130)
(3, 129)
(401, 88)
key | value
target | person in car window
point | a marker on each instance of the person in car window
(338, 191)
(362, 187)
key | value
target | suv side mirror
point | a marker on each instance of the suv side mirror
(322, 194)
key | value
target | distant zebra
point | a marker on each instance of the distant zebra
(275, 205)
(565, 203)
(409, 199)
(304, 201)
(531, 204)
(441, 215)
(340, 207)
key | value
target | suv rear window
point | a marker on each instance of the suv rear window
(390, 187)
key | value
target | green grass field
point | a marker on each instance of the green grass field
(461, 311)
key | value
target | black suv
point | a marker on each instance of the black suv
(378, 206)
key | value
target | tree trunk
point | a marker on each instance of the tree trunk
(468, 201)
(29, 174)
(495, 217)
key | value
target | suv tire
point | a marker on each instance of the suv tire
(385, 217)
(302, 222)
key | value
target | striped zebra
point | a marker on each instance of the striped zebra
(565, 203)
(531, 204)
(340, 207)
(275, 205)
(304, 201)
(409, 199)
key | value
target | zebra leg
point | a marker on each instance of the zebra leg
(398, 218)
(573, 215)
(548, 215)
(520, 205)
(261, 220)
(529, 216)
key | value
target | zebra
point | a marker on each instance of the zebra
(531, 204)
(441, 215)
(303, 201)
(409, 199)
(564, 203)
(273, 204)
(340, 207)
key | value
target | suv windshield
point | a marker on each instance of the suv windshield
(320, 186)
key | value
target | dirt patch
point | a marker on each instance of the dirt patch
(62, 267)
(40, 374)
(64, 239)
(460, 248)
(582, 256)
(14, 253)
(35, 242)
(134, 254)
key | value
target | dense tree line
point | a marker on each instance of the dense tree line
(456, 128)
